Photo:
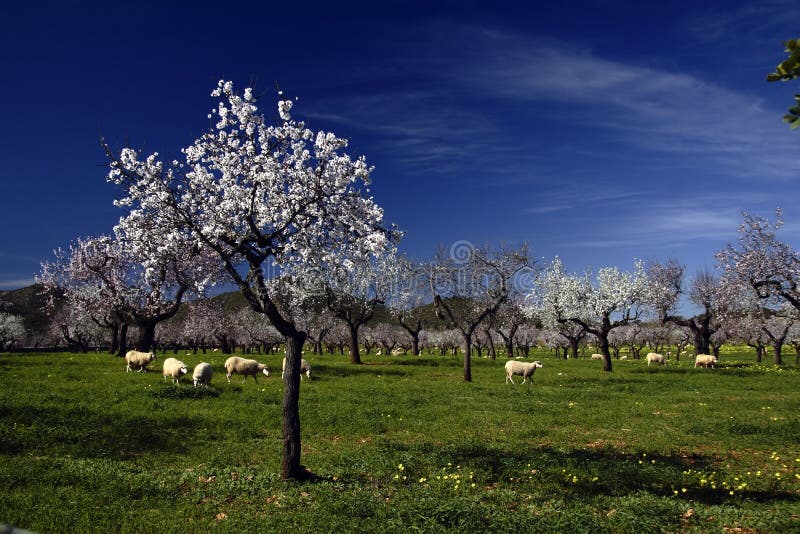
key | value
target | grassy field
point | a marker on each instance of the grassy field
(400, 444)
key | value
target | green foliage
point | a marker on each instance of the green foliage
(399, 444)
(789, 69)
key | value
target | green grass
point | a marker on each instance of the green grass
(399, 444)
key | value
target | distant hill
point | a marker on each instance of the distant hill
(28, 302)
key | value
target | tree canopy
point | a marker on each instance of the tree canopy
(789, 69)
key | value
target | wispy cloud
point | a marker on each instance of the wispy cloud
(758, 21)
(489, 94)
(12, 282)
(642, 106)
(19, 258)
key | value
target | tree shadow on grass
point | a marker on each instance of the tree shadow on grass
(321, 371)
(426, 361)
(82, 433)
(661, 370)
(586, 473)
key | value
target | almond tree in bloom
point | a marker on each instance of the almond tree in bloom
(770, 316)
(12, 330)
(507, 321)
(761, 263)
(72, 323)
(263, 199)
(260, 334)
(136, 283)
(470, 284)
(407, 299)
(354, 289)
(611, 299)
(666, 287)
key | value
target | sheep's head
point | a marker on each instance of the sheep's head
(151, 356)
(184, 370)
(265, 370)
(537, 364)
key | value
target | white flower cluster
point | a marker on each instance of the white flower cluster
(284, 107)
(249, 192)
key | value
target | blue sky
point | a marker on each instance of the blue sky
(596, 131)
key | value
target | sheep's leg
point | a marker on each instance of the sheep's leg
(509, 379)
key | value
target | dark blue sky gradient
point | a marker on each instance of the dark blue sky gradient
(600, 133)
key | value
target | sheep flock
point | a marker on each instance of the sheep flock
(174, 369)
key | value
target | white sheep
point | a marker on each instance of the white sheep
(705, 360)
(305, 367)
(524, 369)
(174, 369)
(202, 374)
(654, 357)
(138, 360)
(597, 356)
(242, 366)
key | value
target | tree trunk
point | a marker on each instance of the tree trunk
(492, 351)
(114, 348)
(415, 344)
(123, 340)
(776, 353)
(603, 346)
(467, 361)
(573, 347)
(355, 357)
(290, 462)
(147, 334)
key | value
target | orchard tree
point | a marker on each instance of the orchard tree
(572, 334)
(12, 330)
(71, 322)
(599, 304)
(749, 331)
(408, 297)
(354, 289)
(265, 200)
(507, 321)
(128, 280)
(761, 263)
(317, 322)
(773, 315)
(470, 284)
(666, 285)
(259, 331)
(208, 320)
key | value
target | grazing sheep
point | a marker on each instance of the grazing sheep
(597, 356)
(138, 361)
(202, 374)
(174, 369)
(623, 357)
(654, 357)
(524, 369)
(242, 366)
(304, 368)
(705, 360)
(397, 351)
